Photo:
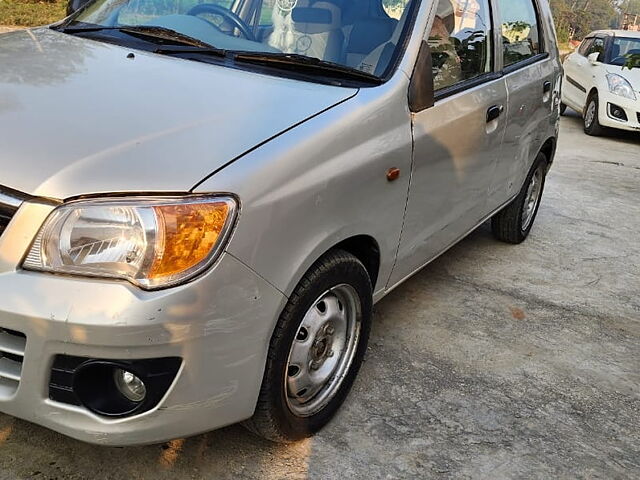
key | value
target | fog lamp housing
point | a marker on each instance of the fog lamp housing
(112, 388)
(617, 113)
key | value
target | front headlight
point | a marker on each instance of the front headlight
(620, 86)
(151, 242)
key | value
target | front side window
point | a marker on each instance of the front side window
(520, 30)
(597, 47)
(363, 35)
(584, 46)
(460, 41)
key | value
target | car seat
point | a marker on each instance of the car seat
(311, 28)
(366, 26)
(377, 61)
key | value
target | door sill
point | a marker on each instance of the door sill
(380, 295)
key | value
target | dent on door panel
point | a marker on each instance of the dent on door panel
(529, 125)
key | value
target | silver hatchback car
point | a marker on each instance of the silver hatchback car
(201, 202)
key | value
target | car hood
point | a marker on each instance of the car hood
(80, 117)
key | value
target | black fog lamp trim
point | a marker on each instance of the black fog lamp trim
(616, 112)
(90, 383)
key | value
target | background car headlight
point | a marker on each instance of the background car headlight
(620, 86)
(151, 242)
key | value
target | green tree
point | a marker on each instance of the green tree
(575, 18)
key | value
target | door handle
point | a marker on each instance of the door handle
(494, 112)
(546, 88)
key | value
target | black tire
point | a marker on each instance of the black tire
(273, 418)
(593, 127)
(508, 225)
(563, 108)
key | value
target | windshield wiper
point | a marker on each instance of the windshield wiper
(193, 46)
(147, 31)
(292, 61)
(189, 49)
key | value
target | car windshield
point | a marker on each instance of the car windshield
(364, 35)
(624, 50)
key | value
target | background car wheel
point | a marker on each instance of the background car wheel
(316, 350)
(591, 117)
(513, 224)
(563, 108)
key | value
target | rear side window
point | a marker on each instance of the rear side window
(460, 41)
(520, 30)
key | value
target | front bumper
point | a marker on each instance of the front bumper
(220, 325)
(630, 107)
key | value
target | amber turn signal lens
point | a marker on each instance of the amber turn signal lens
(187, 234)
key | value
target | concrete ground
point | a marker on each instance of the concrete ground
(495, 362)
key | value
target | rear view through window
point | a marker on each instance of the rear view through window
(520, 30)
(460, 41)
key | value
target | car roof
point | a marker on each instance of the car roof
(616, 33)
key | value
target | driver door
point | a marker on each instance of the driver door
(457, 140)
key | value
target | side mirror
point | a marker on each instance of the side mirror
(593, 58)
(75, 5)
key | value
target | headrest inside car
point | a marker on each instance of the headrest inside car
(312, 15)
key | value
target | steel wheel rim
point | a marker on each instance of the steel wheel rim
(591, 114)
(323, 350)
(532, 199)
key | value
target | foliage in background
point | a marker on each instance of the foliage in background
(27, 13)
(633, 61)
(576, 18)
(630, 6)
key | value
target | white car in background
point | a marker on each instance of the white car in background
(602, 81)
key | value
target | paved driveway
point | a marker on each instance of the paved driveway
(494, 362)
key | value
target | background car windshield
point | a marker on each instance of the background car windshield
(622, 48)
(362, 34)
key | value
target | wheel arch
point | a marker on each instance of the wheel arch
(362, 246)
(592, 92)
(366, 249)
(549, 149)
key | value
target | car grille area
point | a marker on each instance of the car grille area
(10, 201)
(5, 217)
(12, 345)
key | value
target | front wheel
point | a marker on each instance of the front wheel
(591, 117)
(513, 224)
(316, 350)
